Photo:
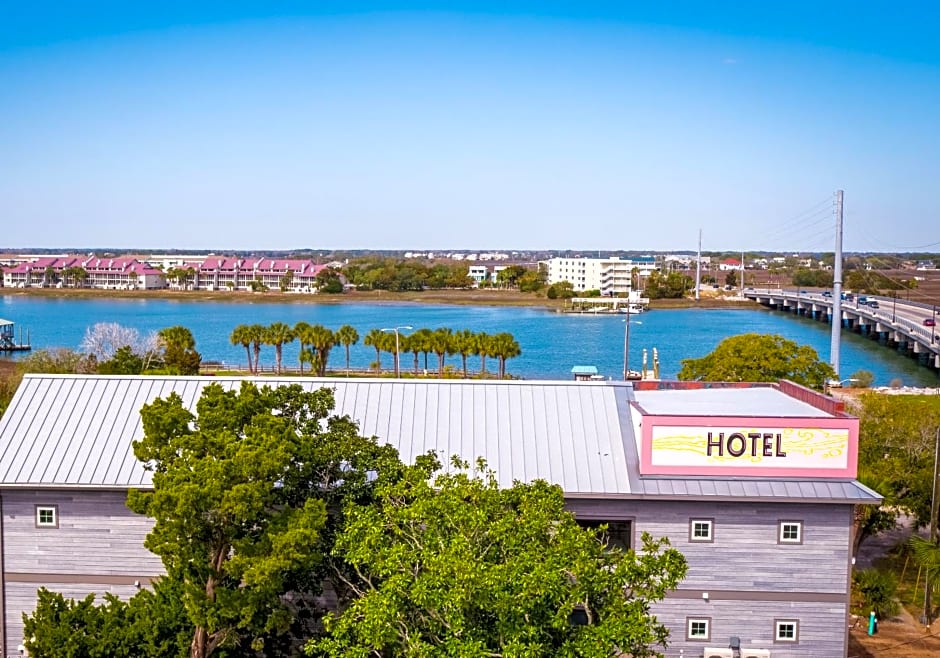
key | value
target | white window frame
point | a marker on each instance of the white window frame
(704, 637)
(709, 523)
(779, 624)
(783, 526)
(40, 509)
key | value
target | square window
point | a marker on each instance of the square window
(786, 630)
(700, 530)
(47, 516)
(790, 532)
(698, 628)
(619, 533)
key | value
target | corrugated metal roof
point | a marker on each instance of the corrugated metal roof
(76, 431)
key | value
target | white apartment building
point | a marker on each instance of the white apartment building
(612, 276)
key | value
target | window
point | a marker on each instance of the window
(618, 535)
(786, 630)
(47, 516)
(700, 530)
(698, 628)
(790, 532)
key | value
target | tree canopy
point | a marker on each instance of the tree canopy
(452, 565)
(240, 500)
(759, 358)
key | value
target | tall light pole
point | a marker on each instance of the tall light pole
(396, 330)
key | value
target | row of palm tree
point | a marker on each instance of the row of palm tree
(316, 341)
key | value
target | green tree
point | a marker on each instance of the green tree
(124, 362)
(465, 344)
(442, 345)
(152, 624)
(241, 494)
(376, 339)
(179, 351)
(896, 448)
(329, 281)
(258, 335)
(504, 346)
(303, 332)
(277, 334)
(286, 280)
(420, 342)
(467, 569)
(322, 340)
(484, 349)
(242, 335)
(759, 358)
(347, 336)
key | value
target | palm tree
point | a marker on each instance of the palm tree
(346, 336)
(310, 356)
(302, 332)
(241, 335)
(505, 347)
(484, 349)
(277, 334)
(375, 338)
(322, 340)
(256, 331)
(465, 344)
(420, 341)
(411, 343)
(441, 341)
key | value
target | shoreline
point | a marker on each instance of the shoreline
(474, 297)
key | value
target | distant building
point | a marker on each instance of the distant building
(729, 264)
(124, 273)
(479, 273)
(612, 276)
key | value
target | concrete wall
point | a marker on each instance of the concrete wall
(98, 547)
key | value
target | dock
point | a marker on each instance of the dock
(8, 341)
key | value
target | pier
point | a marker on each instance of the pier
(8, 342)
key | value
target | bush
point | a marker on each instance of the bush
(876, 590)
(862, 379)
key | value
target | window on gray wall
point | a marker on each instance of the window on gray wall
(786, 630)
(619, 534)
(790, 532)
(701, 530)
(698, 628)
(47, 516)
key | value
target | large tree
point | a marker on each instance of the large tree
(179, 351)
(277, 334)
(242, 335)
(452, 565)
(759, 358)
(240, 501)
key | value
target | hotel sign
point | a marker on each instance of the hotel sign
(773, 447)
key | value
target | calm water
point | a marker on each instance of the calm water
(551, 343)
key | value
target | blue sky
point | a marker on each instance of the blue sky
(279, 125)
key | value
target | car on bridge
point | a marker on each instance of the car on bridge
(930, 322)
(873, 304)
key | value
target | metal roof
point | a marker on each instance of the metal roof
(76, 431)
(756, 401)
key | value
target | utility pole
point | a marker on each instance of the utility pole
(698, 268)
(835, 343)
(934, 505)
(741, 287)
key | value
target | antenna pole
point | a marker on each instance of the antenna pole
(835, 343)
(698, 268)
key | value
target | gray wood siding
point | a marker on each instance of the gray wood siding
(745, 554)
(821, 630)
(97, 534)
(98, 547)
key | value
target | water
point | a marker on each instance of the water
(551, 342)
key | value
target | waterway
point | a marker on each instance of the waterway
(551, 342)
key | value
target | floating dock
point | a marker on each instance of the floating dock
(8, 342)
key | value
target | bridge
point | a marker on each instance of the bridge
(908, 326)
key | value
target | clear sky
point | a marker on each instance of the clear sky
(587, 125)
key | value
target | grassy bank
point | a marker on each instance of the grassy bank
(484, 297)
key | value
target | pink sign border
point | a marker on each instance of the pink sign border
(724, 422)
